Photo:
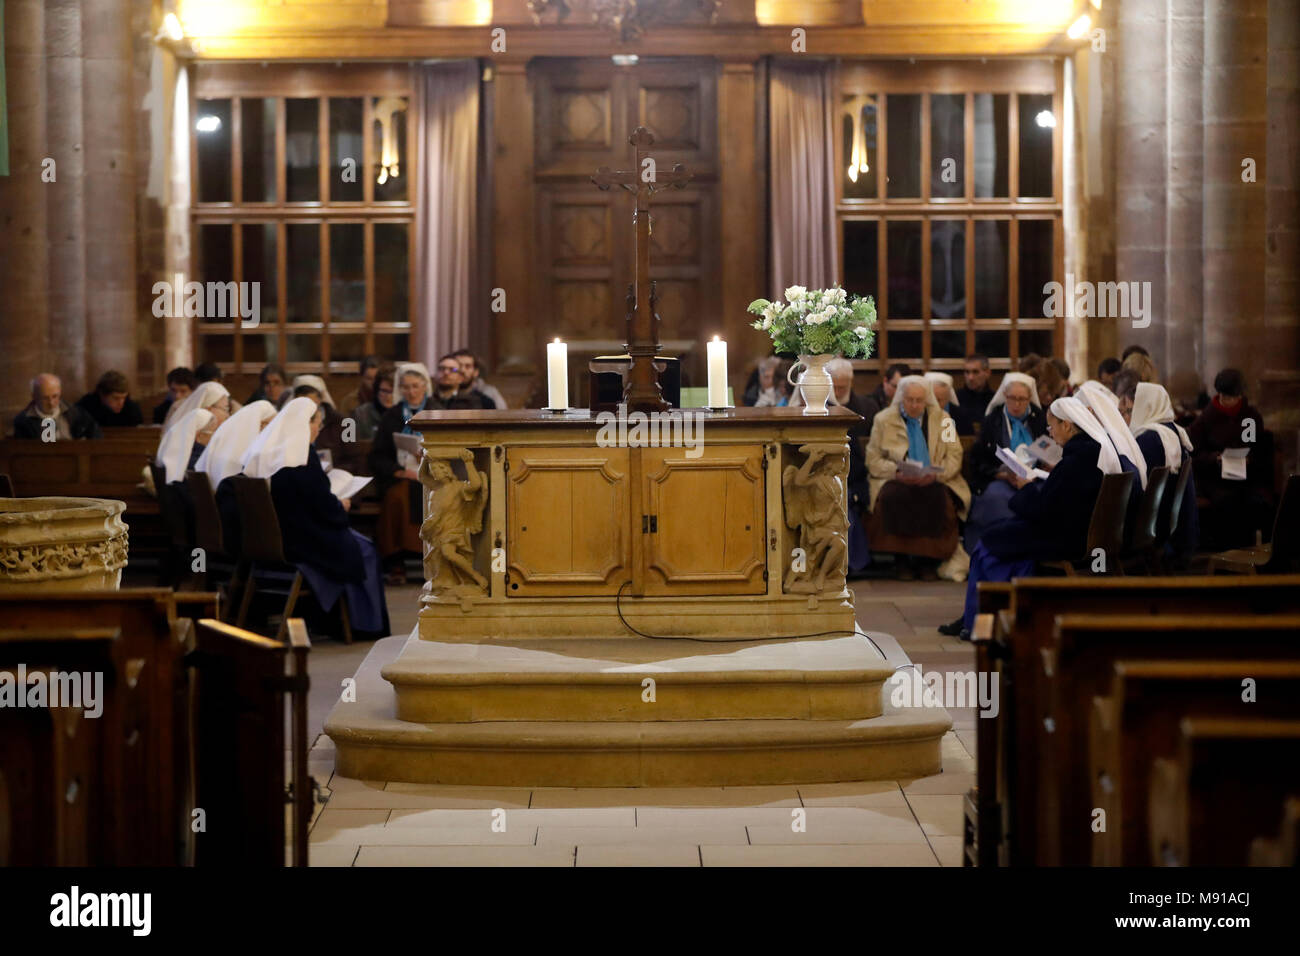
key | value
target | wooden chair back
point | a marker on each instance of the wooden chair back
(1284, 557)
(242, 681)
(1106, 529)
(1171, 505)
(260, 539)
(1144, 535)
(207, 519)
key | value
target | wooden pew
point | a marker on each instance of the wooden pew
(982, 827)
(241, 683)
(1226, 787)
(108, 467)
(1137, 721)
(59, 768)
(1076, 667)
(1022, 632)
(149, 707)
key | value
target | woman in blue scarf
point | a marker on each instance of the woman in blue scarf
(396, 478)
(1013, 418)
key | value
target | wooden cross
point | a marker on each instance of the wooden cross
(641, 389)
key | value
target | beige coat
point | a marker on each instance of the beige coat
(888, 446)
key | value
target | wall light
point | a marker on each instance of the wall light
(1046, 119)
(172, 29)
(1079, 27)
(208, 124)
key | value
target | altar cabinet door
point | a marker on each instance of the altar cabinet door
(567, 526)
(705, 520)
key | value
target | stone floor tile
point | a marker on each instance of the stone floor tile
(439, 795)
(950, 781)
(341, 855)
(940, 814)
(578, 817)
(426, 836)
(918, 854)
(784, 796)
(891, 830)
(642, 836)
(948, 849)
(465, 856)
(668, 855)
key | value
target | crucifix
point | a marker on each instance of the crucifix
(641, 388)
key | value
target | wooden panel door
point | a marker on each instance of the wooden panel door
(567, 521)
(706, 521)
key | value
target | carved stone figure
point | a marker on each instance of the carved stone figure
(814, 508)
(454, 512)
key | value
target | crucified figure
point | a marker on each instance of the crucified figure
(454, 512)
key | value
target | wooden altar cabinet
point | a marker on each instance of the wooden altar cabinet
(540, 525)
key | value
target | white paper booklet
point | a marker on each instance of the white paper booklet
(914, 469)
(1233, 463)
(344, 484)
(409, 450)
(1018, 467)
(1044, 449)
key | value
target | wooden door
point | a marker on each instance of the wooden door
(705, 520)
(567, 521)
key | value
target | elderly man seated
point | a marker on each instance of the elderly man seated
(917, 491)
(49, 418)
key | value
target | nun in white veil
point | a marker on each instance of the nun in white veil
(223, 458)
(209, 395)
(1050, 516)
(332, 556)
(180, 446)
(1163, 441)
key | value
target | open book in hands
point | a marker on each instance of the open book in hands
(1044, 449)
(1018, 467)
(344, 484)
(1232, 464)
(409, 450)
(914, 469)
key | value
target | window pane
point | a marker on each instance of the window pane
(947, 142)
(861, 258)
(1036, 125)
(1036, 260)
(858, 126)
(347, 347)
(991, 287)
(260, 348)
(215, 258)
(904, 345)
(347, 272)
(345, 144)
(302, 255)
(392, 273)
(212, 133)
(260, 266)
(994, 344)
(218, 347)
(991, 134)
(948, 268)
(393, 188)
(1038, 341)
(948, 343)
(903, 239)
(903, 114)
(302, 150)
(303, 348)
(257, 144)
(393, 347)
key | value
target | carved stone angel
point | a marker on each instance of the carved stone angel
(455, 511)
(814, 507)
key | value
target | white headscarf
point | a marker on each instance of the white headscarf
(205, 396)
(944, 378)
(1151, 409)
(178, 441)
(1013, 378)
(1105, 406)
(411, 368)
(226, 447)
(914, 380)
(285, 443)
(316, 382)
(1071, 409)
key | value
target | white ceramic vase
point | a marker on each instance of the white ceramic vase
(815, 383)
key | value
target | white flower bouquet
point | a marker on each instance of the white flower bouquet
(818, 322)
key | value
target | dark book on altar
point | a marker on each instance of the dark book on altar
(607, 380)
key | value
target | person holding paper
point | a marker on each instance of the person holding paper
(917, 492)
(1236, 507)
(1049, 517)
(333, 557)
(1164, 442)
(1013, 420)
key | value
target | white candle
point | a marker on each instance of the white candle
(717, 373)
(557, 374)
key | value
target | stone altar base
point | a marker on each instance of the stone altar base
(575, 712)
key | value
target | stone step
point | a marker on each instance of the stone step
(371, 743)
(604, 679)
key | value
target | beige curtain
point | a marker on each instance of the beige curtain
(802, 185)
(446, 112)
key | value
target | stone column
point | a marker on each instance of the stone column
(1141, 145)
(23, 235)
(1184, 208)
(1235, 111)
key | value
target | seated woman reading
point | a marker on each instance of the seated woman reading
(1050, 516)
(333, 557)
(224, 457)
(914, 507)
(1013, 418)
